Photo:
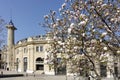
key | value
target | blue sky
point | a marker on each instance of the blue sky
(27, 14)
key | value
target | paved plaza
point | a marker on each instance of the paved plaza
(44, 78)
(41, 77)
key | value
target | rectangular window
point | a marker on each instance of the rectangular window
(17, 51)
(39, 48)
(39, 67)
(25, 50)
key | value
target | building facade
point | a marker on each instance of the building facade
(29, 55)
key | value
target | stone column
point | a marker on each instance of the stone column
(10, 44)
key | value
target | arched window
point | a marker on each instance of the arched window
(25, 64)
(39, 60)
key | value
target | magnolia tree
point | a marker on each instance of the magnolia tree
(84, 33)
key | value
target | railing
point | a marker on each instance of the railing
(39, 61)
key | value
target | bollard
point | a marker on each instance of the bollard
(34, 73)
(1, 72)
(26, 74)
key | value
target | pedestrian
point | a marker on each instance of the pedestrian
(34, 73)
(89, 77)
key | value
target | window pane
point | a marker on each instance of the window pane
(39, 67)
(25, 59)
(37, 49)
(41, 48)
(25, 50)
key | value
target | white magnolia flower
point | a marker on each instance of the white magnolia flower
(92, 7)
(118, 19)
(68, 43)
(72, 25)
(76, 47)
(55, 37)
(83, 34)
(60, 9)
(105, 48)
(107, 13)
(82, 23)
(112, 19)
(104, 5)
(93, 30)
(58, 20)
(54, 25)
(92, 26)
(99, 1)
(93, 48)
(59, 42)
(62, 43)
(75, 57)
(69, 30)
(67, 57)
(67, 11)
(101, 40)
(82, 15)
(93, 41)
(118, 11)
(104, 34)
(118, 51)
(74, 39)
(86, 19)
(46, 16)
(63, 5)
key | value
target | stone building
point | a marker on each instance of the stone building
(29, 55)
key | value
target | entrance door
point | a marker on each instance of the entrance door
(103, 70)
(17, 64)
(116, 69)
(61, 70)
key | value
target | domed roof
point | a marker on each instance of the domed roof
(11, 23)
